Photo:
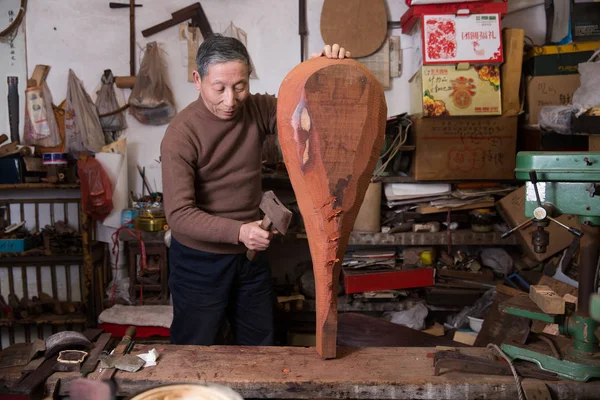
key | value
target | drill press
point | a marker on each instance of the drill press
(562, 183)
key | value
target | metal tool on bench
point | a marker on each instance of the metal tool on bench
(562, 183)
(55, 344)
(457, 361)
(102, 386)
(276, 216)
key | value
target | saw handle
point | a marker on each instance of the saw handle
(121, 348)
(265, 225)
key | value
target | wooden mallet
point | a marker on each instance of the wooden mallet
(276, 216)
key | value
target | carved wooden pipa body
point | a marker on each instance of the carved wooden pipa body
(331, 118)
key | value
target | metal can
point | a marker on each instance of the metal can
(128, 215)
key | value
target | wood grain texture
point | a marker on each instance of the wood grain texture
(299, 373)
(547, 299)
(360, 26)
(359, 330)
(331, 118)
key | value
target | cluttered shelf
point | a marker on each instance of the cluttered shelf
(38, 186)
(274, 176)
(458, 237)
(46, 319)
(9, 258)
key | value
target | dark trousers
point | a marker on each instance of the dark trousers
(206, 288)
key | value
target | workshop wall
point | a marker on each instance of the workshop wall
(89, 39)
(12, 54)
(63, 34)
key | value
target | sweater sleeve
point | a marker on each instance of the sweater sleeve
(179, 157)
(267, 106)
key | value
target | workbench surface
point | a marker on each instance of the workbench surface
(298, 372)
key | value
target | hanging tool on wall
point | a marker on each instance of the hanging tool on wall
(13, 107)
(193, 12)
(302, 30)
(122, 5)
(128, 81)
(16, 21)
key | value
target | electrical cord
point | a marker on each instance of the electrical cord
(394, 148)
(512, 368)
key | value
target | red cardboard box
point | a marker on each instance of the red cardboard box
(453, 34)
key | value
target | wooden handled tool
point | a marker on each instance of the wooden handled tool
(276, 216)
(122, 348)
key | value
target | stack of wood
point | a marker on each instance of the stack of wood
(62, 239)
(31, 308)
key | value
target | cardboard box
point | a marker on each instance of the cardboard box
(558, 60)
(585, 20)
(512, 209)
(456, 8)
(594, 143)
(445, 90)
(454, 33)
(464, 148)
(511, 70)
(15, 245)
(553, 90)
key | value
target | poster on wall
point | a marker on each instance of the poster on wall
(12, 48)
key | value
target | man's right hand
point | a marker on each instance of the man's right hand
(254, 237)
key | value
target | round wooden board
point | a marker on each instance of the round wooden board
(185, 391)
(360, 26)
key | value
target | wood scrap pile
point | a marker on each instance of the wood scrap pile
(28, 308)
(62, 239)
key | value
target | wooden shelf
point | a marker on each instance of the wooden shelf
(347, 304)
(46, 319)
(30, 260)
(39, 186)
(459, 238)
(147, 237)
(395, 179)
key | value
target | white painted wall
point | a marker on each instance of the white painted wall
(89, 37)
(12, 56)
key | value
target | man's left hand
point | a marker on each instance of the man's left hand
(334, 52)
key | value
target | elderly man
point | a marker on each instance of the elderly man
(211, 170)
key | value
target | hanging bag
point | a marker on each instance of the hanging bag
(96, 189)
(106, 103)
(588, 93)
(40, 127)
(151, 101)
(82, 125)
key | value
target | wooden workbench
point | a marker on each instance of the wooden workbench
(297, 372)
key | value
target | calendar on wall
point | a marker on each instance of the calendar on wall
(12, 49)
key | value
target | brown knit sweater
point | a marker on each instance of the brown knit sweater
(211, 171)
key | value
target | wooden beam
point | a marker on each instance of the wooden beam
(331, 117)
(507, 290)
(299, 373)
(547, 299)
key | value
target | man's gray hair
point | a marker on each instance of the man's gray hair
(220, 49)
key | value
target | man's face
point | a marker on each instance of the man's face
(224, 88)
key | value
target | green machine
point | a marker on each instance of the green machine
(562, 183)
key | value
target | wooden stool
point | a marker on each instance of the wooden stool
(155, 247)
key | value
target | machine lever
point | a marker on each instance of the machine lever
(534, 181)
(574, 231)
(516, 228)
